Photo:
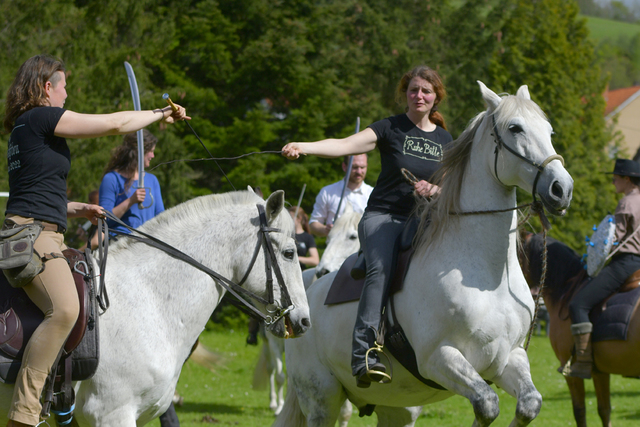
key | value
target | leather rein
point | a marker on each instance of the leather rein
(275, 311)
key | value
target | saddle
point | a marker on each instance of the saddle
(611, 317)
(19, 317)
(347, 286)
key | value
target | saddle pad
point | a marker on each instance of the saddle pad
(346, 289)
(611, 320)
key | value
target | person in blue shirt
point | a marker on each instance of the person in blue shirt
(119, 192)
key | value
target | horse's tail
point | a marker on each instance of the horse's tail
(203, 356)
(291, 414)
(261, 372)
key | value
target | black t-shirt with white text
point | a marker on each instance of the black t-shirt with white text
(404, 145)
(38, 164)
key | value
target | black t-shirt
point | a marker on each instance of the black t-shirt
(304, 241)
(404, 145)
(38, 163)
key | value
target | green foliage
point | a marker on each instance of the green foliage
(545, 46)
(257, 74)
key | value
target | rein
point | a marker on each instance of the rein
(271, 266)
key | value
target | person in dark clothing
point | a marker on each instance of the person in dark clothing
(39, 161)
(305, 243)
(626, 260)
(414, 141)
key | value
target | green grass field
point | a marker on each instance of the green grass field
(225, 397)
(605, 28)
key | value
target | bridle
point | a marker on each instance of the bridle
(540, 166)
(275, 310)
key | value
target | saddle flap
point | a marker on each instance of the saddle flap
(11, 336)
(77, 263)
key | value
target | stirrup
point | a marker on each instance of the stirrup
(386, 378)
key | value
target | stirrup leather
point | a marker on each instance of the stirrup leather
(378, 349)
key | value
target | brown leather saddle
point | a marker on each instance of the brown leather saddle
(78, 360)
(19, 318)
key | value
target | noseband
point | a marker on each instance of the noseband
(270, 265)
(540, 166)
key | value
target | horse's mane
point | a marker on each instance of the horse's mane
(192, 211)
(435, 215)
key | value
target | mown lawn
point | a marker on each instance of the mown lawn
(225, 397)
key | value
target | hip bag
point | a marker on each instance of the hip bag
(19, 261)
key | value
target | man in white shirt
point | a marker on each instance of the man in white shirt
(357, 193)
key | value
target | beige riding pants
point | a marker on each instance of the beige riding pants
(54, 292)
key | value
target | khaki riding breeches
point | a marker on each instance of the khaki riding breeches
(54, 292)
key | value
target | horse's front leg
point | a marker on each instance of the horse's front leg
(516, 380)
(601, 383)
(448, 367)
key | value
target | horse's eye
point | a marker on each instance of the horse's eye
(289, 253)
(515, 128)
(353, 237)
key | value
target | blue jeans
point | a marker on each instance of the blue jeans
(604, 284)
(378, 233)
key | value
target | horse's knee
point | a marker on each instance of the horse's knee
(486, 406)
(528, 406)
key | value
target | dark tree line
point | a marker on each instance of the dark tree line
(256, 74)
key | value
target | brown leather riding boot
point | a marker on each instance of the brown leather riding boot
(583, 362)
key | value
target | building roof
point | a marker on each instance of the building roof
(618, 99)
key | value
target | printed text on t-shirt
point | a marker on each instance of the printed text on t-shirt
(422, 148)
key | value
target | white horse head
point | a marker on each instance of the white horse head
(465, 306)
(342, 241)
(160, 303)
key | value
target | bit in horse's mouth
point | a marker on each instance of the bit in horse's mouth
(288, 328)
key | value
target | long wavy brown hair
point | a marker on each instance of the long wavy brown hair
(304, 218)
(28, 88)
(432, 77)
(124, 158)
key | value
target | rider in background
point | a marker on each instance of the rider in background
(305, 243)
(328, 199)
(414, 141)
(626, 179)
(39, 161)
(119, 191)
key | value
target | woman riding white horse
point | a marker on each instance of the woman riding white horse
(465, 306)
(160, 304)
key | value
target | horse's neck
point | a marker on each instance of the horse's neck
(480, 191)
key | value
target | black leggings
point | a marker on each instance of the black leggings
(604, 284)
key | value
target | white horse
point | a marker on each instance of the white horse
(160, 304)
(342, 241)
(465, 306)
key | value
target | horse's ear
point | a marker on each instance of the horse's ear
(523, 92)
(489, 96)
(348, 208)
(274, 205)
(250, 189)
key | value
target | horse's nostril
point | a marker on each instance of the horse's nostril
(556, 190)
(306, 322)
